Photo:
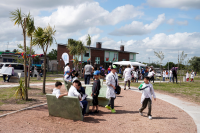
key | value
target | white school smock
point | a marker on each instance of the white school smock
(67, 78)
(164, 74)
(56, 92)
(147, 92)
(135, 74)
(192, 75)
(67, 68)
(74, 93)
(127, 74)
(150, 74)
(170, 73)
(110, 79)
(187, 75)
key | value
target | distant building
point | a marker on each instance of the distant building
(99, 55)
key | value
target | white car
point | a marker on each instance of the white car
(18, 68)
(158, 74)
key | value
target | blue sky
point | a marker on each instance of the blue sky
(142, 26)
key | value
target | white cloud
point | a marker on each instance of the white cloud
(170, 21)
(138, 28)
(182, 22)
(169, 44)
(181, 4)
(197, 17)
(83, 16)
(94, 30)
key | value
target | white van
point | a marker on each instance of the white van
(18, 68)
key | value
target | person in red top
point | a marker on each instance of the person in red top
(109, 70)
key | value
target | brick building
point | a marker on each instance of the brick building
(99, 55)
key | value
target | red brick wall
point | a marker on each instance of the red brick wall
(62, 49)
(122, 56)
(97, 53)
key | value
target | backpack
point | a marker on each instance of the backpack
(118, 88)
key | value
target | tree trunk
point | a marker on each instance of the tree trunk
(44, 74)
(25, 70)
(81, 65)
(29, 64)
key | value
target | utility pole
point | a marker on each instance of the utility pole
(149, 60)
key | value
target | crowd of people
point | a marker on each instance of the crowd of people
(112, 84)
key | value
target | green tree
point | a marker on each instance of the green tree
(44, 38)
(21, 20)
(195, 63)
(81, 50)
(170, 65)
(53, 54)
(30, 30)
(88, 39)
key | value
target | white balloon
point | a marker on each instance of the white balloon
(65, 58)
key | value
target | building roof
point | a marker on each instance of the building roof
(106, 49)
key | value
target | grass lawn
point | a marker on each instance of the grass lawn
(189, 89)
(6, 93)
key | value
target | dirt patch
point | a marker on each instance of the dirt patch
(166, 118)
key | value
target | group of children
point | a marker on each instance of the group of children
(191, 75)
(77, 90)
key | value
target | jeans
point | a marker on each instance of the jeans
(4, 77)
(174, 76)
(126, 83)
(163, 78)
(87, 79)
(144, 105)
(111, 102)
(85, 103)
(136, 80)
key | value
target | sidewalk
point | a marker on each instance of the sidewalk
(192, 109)
(38, 84)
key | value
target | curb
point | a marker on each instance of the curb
(23, 109)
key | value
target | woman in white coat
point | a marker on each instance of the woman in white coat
(127, 76)
(170, 75)
(192, 76)
(187, 76)
(111, 82)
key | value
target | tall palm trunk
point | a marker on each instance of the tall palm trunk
(81, 64)
(25, 70)
(44, 73)
(29, 64)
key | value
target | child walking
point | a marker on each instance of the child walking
(95, 92)
(187, 76)
(146, 99)
(192, 76)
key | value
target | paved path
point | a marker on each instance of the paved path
(192, 109)
(38, 84)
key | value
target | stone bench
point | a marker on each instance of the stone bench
(65, 107)
(15, 78)
(103, 101)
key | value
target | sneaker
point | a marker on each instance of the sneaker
(108, 107)
(141, 113)
(150, 118)
(129, 88)
(96, 111)
(124, 88)
(113, 111)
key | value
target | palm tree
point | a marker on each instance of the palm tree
(22, 20)
(30, 30)
(44, 39)
(81, 49)
(88, 39)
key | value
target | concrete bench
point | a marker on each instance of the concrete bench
(65, 107)
(67, 85)
(15, 78)
(103, 101)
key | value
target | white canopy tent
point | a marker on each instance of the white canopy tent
(125, 63)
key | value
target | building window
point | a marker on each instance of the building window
(97, 60)
(115, 55)
(107, 54)
(87, 54)
(123, 59)
(131, 56)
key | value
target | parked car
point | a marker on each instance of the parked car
(158, 74)
(18, 68)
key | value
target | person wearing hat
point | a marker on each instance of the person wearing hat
(111, 82)
(95, 91)
(67, 76)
